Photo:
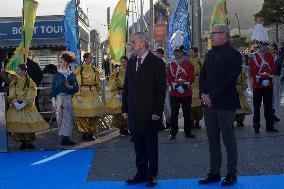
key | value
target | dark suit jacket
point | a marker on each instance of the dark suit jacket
(144, 92)
(219, 75)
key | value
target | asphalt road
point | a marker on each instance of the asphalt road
(260, 154)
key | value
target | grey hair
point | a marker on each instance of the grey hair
(144, 38)
(223, 28)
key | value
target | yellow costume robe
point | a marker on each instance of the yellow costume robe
(86, 112)
(27, 121)
(241, 87)
(196, 108)
(113, 104)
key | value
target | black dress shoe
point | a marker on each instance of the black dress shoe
(210, 178)
(137, 179)
(272, 130)
(189, 136)
(151, 182)
(229, 180)
(172, 137)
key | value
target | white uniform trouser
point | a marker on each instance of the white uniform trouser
(64, 115)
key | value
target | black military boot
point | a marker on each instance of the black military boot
(256, 128)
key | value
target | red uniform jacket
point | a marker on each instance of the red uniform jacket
(185, 73)
(258, 67)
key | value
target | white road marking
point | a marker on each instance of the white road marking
(52, 157)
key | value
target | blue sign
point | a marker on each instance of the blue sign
(44, 29)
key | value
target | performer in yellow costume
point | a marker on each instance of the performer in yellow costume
(245, 108)
(196, 108)
(23, 118)
(114, 102)
(87, 104)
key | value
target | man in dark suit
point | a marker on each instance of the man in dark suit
(217, 86)
(142, 103)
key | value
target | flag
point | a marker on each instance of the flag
(219, 16)
(71, 29)
(21, 52)
(180, 21)
(117, 32)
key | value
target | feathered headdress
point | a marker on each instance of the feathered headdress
(177, 40)
(259, 34)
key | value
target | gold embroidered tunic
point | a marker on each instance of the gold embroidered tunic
(113, 103)
(241, 87)
(88, 78)
(26, 120)
(197, 63)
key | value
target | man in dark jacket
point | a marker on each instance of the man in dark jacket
(143, 102)
(218, 93)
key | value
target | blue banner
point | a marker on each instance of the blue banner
(44, 29)
(180, 21)
(72, 29)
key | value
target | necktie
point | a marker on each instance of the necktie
(138, 63)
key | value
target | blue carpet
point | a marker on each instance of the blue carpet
(25, 170)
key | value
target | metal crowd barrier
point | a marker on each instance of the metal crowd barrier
(3, 129)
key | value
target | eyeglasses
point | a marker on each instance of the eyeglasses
(213, 33)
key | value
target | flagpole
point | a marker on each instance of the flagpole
(196, 25)
(152, 42)
(23, 32)
(127, 30)
(78, 30)
(226, 12)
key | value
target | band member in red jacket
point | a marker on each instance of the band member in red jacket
(262, 69)
(180, 75)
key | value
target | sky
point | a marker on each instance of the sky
(97, 10)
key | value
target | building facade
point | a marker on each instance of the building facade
(48, 39)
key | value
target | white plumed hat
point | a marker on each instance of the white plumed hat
(177, 40)
(259, 34)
